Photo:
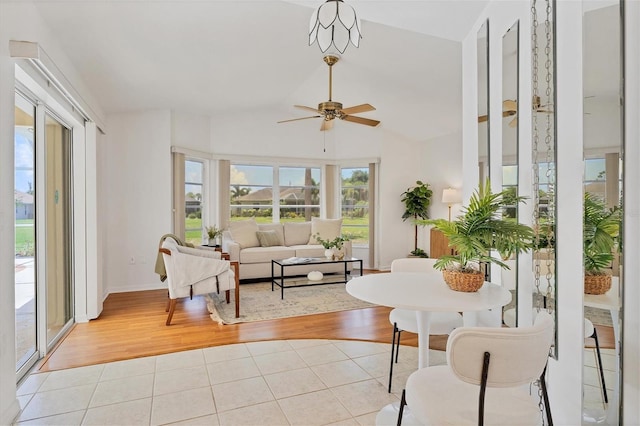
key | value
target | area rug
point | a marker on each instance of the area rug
(258, 302)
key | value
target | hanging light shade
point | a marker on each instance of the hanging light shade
(334, 23)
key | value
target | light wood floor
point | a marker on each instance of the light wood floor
(132, 325)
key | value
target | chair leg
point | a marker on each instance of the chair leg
(227, 293)
(604, 388)
(483, 387)
(168, 302)
(393, 347)
(398, 344)
(172, 309)
(403, 402)
(545, 396)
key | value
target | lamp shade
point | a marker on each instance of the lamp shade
(451, 196)
(335, 24)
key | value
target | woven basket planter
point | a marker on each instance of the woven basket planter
(463, 281)
(597, 284)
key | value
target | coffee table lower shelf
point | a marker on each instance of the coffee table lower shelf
(283, 281)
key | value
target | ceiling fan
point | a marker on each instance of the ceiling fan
(330, 109)
(509, 108)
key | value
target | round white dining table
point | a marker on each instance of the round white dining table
(426, 293)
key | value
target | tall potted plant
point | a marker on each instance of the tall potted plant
(601, 228)
(416, 201)
(478, 230)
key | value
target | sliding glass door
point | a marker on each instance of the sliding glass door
(43, 219)
(25, 235)
(58, 226)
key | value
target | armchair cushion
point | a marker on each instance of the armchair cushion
(244, 233)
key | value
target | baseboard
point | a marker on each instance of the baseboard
(138, 287)
(10, 415)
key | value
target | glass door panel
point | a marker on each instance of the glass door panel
(25, 237)
(58, 227)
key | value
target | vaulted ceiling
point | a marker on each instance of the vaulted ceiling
(247, 57)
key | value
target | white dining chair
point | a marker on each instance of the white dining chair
(405, 319)
(486, 379)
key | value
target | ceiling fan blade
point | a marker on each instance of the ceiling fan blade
(326, 125)
(483, 118)
(361, 120)
(296, 119)
(508, 113)
(509, 104)
(514, 122)
(307, 108)
(358, 108)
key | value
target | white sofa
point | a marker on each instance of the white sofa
(280, 241)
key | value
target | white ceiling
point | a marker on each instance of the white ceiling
(223, 57)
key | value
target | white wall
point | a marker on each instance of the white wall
(138, 213)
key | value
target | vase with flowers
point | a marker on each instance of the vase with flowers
(213, 234)
(333, 249)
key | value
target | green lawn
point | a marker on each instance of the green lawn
(25, 237)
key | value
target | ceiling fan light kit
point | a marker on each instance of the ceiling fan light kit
(330, 110)
(334, 23)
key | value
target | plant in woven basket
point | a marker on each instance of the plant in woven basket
(601, 229)
(478, 230)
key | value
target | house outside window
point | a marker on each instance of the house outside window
(274, 193)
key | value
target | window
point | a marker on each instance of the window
(595, 176)
(274, 193)
(510, 184)
(355, 204)
(193, 199)
(299, 193)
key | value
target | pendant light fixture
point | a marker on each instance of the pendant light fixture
(335, 24)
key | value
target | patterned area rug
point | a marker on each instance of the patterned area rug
(258, 302)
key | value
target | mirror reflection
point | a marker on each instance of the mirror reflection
(510, 156)
(544, 160)
(603, 163)
(483, 102)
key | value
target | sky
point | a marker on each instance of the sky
(24, 159)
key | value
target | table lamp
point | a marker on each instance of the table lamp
(451, 196)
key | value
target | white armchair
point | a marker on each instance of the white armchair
(197, 271)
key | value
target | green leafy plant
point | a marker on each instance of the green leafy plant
(481, 228)
(213, 231)
(416, 201)
(419, 253)
(601, 229)
(337, 242)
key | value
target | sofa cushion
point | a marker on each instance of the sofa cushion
(309, 250)
(265, 254)
(273, 227)
(296, 233)
(268, 238)
(327, 229)
(244, 233)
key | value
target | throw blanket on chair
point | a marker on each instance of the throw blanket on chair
(192, 268)
(160, 269)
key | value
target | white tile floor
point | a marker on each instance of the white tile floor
(292, 382)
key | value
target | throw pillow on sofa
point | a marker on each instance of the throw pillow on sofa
(327, 229)
(244, 233)
(296, 233)
(268, 238)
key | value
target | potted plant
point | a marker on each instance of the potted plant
(333, 248)
(213, 233)
(419, 253)
(601, 229)
(416, 201)
(478, 230)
